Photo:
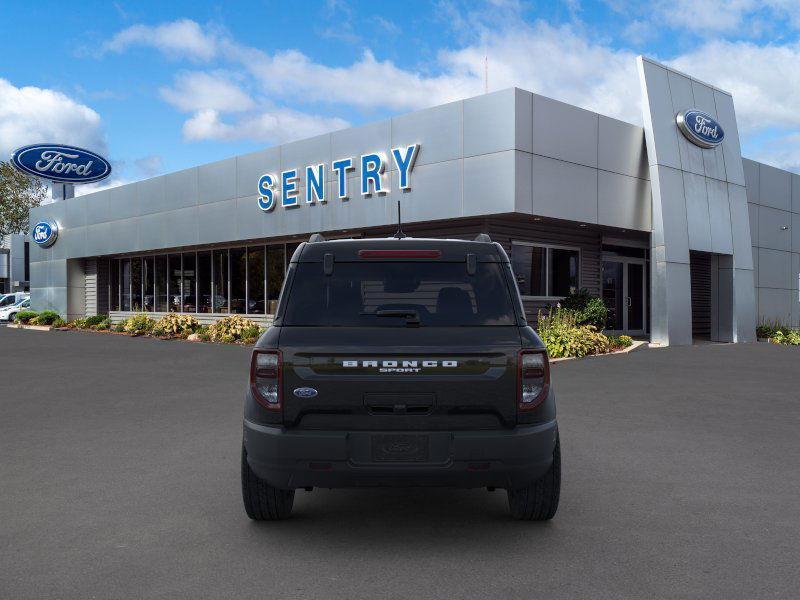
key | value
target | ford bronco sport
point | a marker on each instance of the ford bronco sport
(400, 362)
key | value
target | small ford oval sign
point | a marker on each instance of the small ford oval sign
(65, 164)
(700, 128)
(44, 233)
(305, 392)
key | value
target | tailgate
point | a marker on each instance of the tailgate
(428, 378)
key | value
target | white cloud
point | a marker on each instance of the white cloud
(712, 17)
(198, 90)
(782, 152)
(562, 62)
(181, 38)
(764, 80)
(30, 114)
(150, 166)
(278, 125)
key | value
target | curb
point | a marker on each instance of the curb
(637, 344)
(33, 327)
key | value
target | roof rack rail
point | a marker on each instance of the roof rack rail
(316, 237)
(483, 237)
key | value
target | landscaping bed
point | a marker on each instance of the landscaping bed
(234, 329)
(778, 333)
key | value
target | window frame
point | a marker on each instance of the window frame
(547, 263)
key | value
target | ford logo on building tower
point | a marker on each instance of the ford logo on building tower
(700, 128)
(65, 164)
(44, 233)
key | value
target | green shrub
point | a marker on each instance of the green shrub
(59, 322)
(138, 324)
(119, 327)
(620, 341)
(103, 325)
(789, 337)
(203, 333)
(25, 316)
(91, 322)
(768, 329)
(588, 309)
(231, 329)
(46, 317)
(175, 324)
(251, 334)
(565, 337)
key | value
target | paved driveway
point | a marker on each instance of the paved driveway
(119, 479)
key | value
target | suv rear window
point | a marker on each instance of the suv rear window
(392, 294)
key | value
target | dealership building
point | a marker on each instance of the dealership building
(681, 236)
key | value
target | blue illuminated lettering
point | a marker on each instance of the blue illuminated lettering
(315, 184)
(404, 158)
(372, 168)
(341, 167)
(289, 193)
(266, 192)
(285, 189)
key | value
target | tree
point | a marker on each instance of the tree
(18, 194)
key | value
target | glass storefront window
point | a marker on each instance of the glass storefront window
(126, 284)
(189, 280)
(245, 280)
(219, 292)
(136, 284)
(147, 279)
(174, 283)
(255, 280)
(528, 263)
(204, 282)
(238, 302)
(113, 278)
(545, 271)
(563, 272)
(161, 283)
(276, 259)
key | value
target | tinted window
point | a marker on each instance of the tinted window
(563, 272)
(377, 294)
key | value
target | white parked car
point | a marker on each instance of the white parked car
(7, 313)
(7, 300)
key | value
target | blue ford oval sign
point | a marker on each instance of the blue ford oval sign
(44, 233)
(700, 128)
(305, 392)
(65, 164)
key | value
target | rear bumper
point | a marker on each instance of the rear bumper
(293, 459)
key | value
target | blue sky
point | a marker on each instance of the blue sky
(159, 86)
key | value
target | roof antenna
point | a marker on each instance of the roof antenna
(399, 233)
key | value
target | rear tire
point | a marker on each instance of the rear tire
(263, 502)
(539, 501)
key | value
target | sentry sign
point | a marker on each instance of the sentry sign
(284, 189)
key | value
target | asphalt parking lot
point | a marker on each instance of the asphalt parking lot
(119, 478)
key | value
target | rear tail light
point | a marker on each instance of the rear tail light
(534, 378)
(265, 378)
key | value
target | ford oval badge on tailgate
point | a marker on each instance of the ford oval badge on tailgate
(305, 392)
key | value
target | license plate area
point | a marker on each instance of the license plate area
(402, 448)
(398, 448)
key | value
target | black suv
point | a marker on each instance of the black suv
(400, 362)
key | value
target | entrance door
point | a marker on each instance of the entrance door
(625, 294)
